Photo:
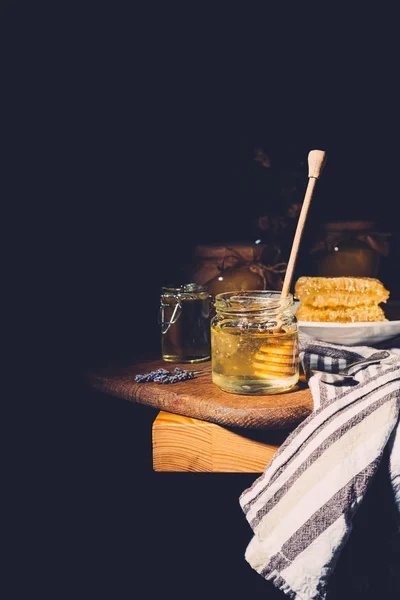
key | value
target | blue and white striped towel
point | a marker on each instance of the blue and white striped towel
(302, 508)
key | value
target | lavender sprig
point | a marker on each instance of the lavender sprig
(165, 376)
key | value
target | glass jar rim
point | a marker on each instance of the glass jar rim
(253, 301)
(187, 288)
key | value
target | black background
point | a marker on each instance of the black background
(129, 136)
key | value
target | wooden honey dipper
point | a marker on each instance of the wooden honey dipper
(278, 358)
(316, 162)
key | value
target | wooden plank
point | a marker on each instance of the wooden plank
(200, 398)
(186, 444)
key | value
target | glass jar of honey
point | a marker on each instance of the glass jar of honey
(349, 249)
(185, 323)
(254, 343)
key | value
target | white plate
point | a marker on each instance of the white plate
(351, 334)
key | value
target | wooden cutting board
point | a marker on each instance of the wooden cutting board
(200, 398)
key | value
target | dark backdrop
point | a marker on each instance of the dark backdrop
(129, 138)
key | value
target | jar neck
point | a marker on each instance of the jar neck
(254, 304)
(188, 289)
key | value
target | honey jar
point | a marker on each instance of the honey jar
(254, 343)
(185, 323)
(349, 249)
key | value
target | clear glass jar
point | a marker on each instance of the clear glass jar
(185, 323)
(349, 248)
(254, 343)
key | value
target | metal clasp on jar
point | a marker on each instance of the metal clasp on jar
(165, 325)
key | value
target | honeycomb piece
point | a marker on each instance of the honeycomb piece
(340, 314)
(322, 292)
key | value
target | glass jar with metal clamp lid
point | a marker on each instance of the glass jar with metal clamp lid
(185, 323)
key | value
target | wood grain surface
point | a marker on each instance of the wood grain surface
(186, 444)
(200, 398)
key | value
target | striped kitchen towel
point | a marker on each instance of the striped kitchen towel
(303, 508)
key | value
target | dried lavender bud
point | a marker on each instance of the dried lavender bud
(161, 379)
(162, 372)
(145, 378)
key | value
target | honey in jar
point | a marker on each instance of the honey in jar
(185, 323)
(254, 343)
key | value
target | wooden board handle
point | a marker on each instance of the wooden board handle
(316, 162)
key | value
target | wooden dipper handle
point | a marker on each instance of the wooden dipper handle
(316, 162)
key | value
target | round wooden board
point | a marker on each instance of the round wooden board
(200, 398)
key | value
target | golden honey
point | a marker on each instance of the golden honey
(254, 343)
(185, 323)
